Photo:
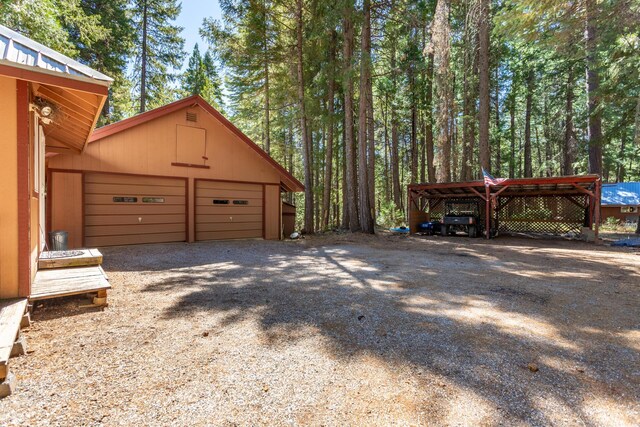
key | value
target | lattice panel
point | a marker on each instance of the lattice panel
(541, 214)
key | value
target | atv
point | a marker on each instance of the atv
(461, 216)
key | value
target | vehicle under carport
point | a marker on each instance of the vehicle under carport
(554, 205)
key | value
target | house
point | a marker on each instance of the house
(181, 172)
(49, 104)
(621, 201)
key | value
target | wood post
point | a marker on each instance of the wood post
(597, 209)
(487, 211)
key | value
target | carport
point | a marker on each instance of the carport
(554, 205)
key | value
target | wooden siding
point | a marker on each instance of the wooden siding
(228, 221)
(288, 219)
(272, 213)
(66, 205)
(108, 223)
(616, 212)
(151, 149)
(8, 190)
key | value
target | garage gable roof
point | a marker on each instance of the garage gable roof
(195, 100)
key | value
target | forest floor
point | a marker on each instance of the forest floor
(343, 329)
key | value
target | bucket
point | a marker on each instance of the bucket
(58, 240)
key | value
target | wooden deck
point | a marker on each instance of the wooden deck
(11, 312)
(85, 257)
(60, 282)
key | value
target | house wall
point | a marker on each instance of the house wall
(66, 207)
(614, 211)
(288, 219)
(151, 148)
(8, 189)
(272, 211)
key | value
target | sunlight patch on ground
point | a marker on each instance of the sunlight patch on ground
(477, 312)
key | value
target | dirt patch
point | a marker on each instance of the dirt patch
(347, 329)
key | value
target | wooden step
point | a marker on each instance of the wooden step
(88, 257)
(60, 282)
(11, 312)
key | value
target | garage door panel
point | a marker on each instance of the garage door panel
(103, 199)
(101, 178)
(133, 190)
(132, 219)
(111, 230)
(206, 219)
(109, 222)
(228, 235)
(230, 226)
(139, 239)
(244, 202)
(135, 209)
(228, 221)
(229, 210)
(237, 194)
(229, 186)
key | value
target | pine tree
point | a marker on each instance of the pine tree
(212, 90)
(159, 50)
(194, 78)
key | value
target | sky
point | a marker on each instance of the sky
(191, 16)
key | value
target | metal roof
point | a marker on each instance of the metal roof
(622, 193)
(16, 49)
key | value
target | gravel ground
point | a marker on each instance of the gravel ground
(356, 330)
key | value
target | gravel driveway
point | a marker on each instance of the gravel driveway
(357, 330)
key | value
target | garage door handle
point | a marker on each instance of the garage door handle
(139, 219)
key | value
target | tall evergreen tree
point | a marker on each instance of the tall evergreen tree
(159, 51)
(194, 78)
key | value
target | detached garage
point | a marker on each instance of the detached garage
(181, 172)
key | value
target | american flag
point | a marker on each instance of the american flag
(490, 180)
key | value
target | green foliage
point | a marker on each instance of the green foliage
(164, 50)
(390, 216)
(611, 221)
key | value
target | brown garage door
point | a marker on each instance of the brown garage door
(228, 210)
(125, 210)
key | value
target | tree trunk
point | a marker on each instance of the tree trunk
(528, 169)
(366, 219)
(352, 178)
(621, 172)
(428, 134)
(593, 85)
(267, 106)
(414, 139)
(636, 136)
(371, 147)
(143, 61)
(498, 129)
(512, 131)
(306, 143)
(441, 52)
(548, 150)
(483, 65)
(328, 155)
(387, 149)
(570, 142)
(395, 159)
(345, 187)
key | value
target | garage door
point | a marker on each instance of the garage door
(228, 210)
(125, 210)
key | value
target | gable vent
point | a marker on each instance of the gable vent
(192, 117)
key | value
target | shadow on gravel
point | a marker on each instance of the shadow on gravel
(477, 319)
